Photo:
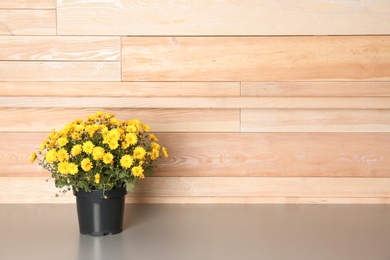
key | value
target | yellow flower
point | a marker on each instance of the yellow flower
(76, 150)
(139, 153)
(98, 153)
(77, 121)
(63, 168)
(152, 137)
(51, 156)
(126, 161)
(108, 158)
(114, 134)
(92, 118)
(99, 113)
(137, 171)
(62, 155)
(86, 164)
(146, 128)
(73, 168)
(76, 136)
(113, 144)
(79, 128)
(165, 152)
(42, 146)
(125, 145)
(88, 147)
(33, 157)
(97, 178)
(155, 154)
(155, 146)
(108, 116)
(90, 130)
(131, 129)
(114, 122)
(131, 138)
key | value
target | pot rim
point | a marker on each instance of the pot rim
(103, 194)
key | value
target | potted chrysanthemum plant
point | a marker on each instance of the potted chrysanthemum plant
(100, 159)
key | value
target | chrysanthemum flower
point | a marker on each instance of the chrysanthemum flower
(76, 150)
(139, 153)
(131, 138)
(138, 171)
(51, 156)
(113, 144)
(152, 137)
(63, 168)
(62, 155)
(97, 178)
(98, 153)
(165, 152)
(33, 157)
(126, 161)
(108, 158)
(73, 168)
(86, 164)
(155, 154)
(88, 147)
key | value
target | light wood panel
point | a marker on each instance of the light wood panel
(315, 89)
(27, 22)
(28, 4)
(314, 120)
(200, 102)
(160, 120)
(264, 187)
(59, 71)
(121, 89)
(217, 190)
(335, 58)
(239, 154)
(55, 48)
(250, 17)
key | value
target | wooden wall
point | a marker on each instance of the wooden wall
(257, 101)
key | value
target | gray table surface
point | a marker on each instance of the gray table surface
(201, 231)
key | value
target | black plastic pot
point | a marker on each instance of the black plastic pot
(100, 213)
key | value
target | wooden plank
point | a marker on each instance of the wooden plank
(314, 120)
(315, 89)
(159, 120)
(200, 102)
(217, 190)
(28, 4)
(238, 154)
(250, 17)
(330, 58)
(131, 199)
(33, 22)
(54, 48)
(59, 71)
(121, 89)
(264, 186)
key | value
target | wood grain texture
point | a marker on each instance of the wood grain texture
(199, 102)
(33, 22)
(159, 120)
(251, 17)
(53, 48)
(316, 89)
(59, 71)
(217, 190)
(264, 187)
(28, 4)
(330, 58)
(238, 154)
(314, 120)
(120, 89)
